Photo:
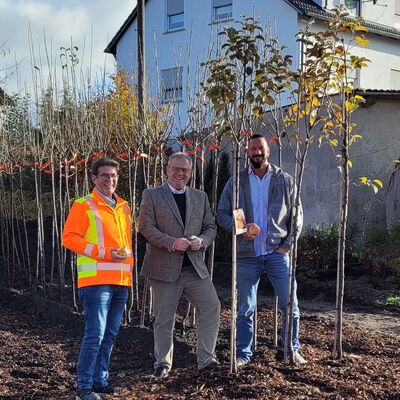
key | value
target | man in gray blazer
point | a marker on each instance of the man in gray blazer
(178, 225)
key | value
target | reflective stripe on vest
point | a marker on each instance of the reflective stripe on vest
(88, 249)
(99, 228)
(104, 267)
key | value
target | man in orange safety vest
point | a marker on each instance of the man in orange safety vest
(98, 229)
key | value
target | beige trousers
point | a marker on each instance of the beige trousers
(202, 295)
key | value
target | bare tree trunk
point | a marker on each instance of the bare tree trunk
(25, 228)
(235, 205)
(344, 200)
(275, 321)
(288, 349)
(214, 192)
(144, 302)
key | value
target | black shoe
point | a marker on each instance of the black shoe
(160, 372)
(209, 368)
(108, 389)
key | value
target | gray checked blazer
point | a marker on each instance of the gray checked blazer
(160, 223)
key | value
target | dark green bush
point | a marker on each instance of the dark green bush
(381, 254)
(317, 255)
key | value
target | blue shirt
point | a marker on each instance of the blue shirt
(259, 202)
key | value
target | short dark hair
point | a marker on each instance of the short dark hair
(104, 162)
(257, 136)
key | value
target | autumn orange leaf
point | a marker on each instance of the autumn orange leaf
(273, 140)
(123, 155)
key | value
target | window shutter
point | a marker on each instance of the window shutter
(174, 7)
(172, 78)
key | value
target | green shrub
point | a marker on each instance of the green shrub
(381, 254)
(317, 255)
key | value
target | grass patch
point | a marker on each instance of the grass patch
(393, 301)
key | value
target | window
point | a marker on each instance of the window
(175, 14)
(395, 79)
(350, 4)
(171, 81)
(222, 9)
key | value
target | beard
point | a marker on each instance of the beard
(257, 164)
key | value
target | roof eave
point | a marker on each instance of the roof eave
(112, 46)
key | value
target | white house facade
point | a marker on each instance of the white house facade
(181, 33)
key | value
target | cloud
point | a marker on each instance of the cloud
(45, 24)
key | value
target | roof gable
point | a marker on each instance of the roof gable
(308, 8)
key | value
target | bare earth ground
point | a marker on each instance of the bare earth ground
(39, 344)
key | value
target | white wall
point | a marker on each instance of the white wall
(382, 12)
(384, 55)
(189, 46)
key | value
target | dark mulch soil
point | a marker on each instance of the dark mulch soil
(38, 354)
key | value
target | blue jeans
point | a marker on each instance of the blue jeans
(103, 306)
(276, 266)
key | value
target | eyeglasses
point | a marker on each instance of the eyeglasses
(103, 175)
(185, 171)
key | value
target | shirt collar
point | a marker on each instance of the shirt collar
(176, 191)
(251, 172)
(111, 201)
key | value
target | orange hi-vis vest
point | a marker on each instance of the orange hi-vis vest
(91, 230)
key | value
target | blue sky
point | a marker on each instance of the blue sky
(58, 23)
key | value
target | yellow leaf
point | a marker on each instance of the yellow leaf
(364, 180)
(362, 42)
(356, 136)
(350, 163)
(268, 100)
(361, 28)
(375, 188)
(350, 106)
(359, 98)
(333, 142)
(315, 101)
(297, 138)
(378, 182)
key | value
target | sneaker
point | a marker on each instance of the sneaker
(86, 394)
(108, 389)
(160, 372)
(240, 361)
(299, 359)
